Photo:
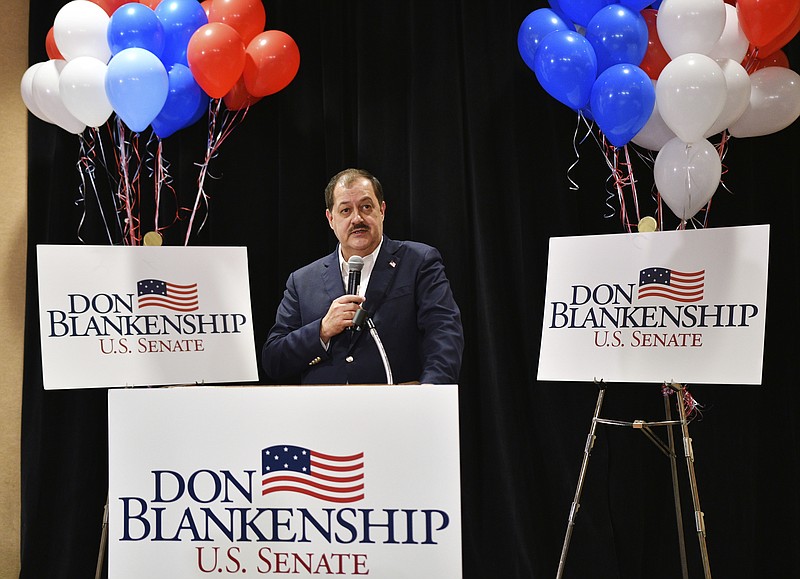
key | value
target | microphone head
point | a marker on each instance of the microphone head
(355, 263)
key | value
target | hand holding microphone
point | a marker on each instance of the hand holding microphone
(344, 309)
(354, 266)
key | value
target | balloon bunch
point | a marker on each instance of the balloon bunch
(162, 64)
(667, 76)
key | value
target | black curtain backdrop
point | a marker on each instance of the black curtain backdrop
(475, 159)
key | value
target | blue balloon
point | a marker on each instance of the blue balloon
(135, 25)
(202, 109)
(136, 86)
(183, 99)
(534, 28)
(618, 35)
(581, 11)
(180, 19)
(622, 101)
(555, 5)
(566, 67)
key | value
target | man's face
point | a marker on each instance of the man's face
(356, 218)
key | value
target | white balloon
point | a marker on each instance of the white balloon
(733, 43)
(737, 99)
(48, 99)
(686, 26)
(80, 28)
(655, 133)
(82, 85)
(687, 175)
(774, 103)
(26, 89)
(690, 94)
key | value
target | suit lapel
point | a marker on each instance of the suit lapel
(383, 274)
(332, 276)
(380, 280)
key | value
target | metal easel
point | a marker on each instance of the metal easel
(668, 449)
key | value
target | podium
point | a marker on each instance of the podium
(274, 480)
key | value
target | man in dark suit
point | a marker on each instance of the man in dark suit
(404, 290)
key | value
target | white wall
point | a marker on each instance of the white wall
(13, 238)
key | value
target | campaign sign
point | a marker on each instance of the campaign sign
(674, 306)
(301, 481)
(133, 316)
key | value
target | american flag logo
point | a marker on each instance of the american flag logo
(333, 478)
(163, 294)
(679, 286)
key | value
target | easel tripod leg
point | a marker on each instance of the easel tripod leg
(576, 502)
(689, 453)
(98, 574)
(676, 490)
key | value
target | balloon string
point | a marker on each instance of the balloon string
(158, 181)
(619, 182)
(632, 183)
(136, 188)
(201, 194)
(158, 170)
(573, 186)
(113, 182)
(751, 60)
(82, 187)
(216, 137)
(87, 168)
(126, 188)
(647, 157)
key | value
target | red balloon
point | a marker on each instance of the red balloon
(783, 38)
(247, 17)
(111, 5)
(238, 97)
(762, 21)
(53, 53)
(206, 4)
(778, 58)
(216, 56)
(655, 57)
(272, 62)
(152, 4)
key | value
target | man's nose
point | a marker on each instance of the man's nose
(357, 216)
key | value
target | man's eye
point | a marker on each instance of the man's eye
(366, 208)
(344, 211)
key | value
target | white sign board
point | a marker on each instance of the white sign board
(683, 306)
(272, 481)
(133, 316)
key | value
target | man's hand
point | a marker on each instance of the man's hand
(339, 316)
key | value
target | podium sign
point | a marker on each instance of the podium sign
(682, 306)
(271, 481)
(130, 316)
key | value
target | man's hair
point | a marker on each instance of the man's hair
(346, 179)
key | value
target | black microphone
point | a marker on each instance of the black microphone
(354, 265)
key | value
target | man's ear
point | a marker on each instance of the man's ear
(329, 215)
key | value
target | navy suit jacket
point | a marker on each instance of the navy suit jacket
(408, 298)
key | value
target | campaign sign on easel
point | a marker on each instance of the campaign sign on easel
(682, 306)
(131, 316)
(345, 481)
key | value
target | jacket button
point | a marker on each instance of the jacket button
(348, 359)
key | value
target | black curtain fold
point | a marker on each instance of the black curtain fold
(478, 160)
